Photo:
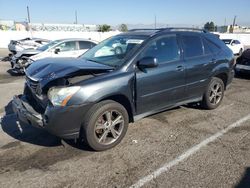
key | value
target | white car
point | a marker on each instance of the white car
(235, 45)
(61, 48)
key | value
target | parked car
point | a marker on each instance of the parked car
(27, 43)
(243, 63)
(95, 97)
(235, 45)
(57, 48)
(21, 57)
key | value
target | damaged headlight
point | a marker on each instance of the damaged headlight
(60, 96)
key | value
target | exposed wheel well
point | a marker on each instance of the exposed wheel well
(223, 77)
(124, 102)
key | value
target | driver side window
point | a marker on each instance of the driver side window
(165, 49)
(67, 46)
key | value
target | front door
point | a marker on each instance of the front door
(163, 85)
(66, 49)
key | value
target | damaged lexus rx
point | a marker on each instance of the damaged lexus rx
(123, 79)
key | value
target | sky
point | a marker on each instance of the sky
(115, 12)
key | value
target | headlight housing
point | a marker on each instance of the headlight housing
(61, 96)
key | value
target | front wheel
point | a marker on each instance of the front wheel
(213, 94)
(105, 125)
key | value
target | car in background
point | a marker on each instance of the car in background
(235, 45)
(94, 97)
(27, 43)
(59, 48)
(243, 63)
(22, 56)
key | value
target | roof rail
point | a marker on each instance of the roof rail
(171, 29)
(144, 29)
(187, 29)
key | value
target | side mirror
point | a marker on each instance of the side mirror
(147, 62)
(57, 50)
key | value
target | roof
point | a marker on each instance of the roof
(76, 39)
(150, 32)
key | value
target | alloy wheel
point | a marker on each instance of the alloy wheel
(109, 127)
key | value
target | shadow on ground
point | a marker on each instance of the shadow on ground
(243, 76)
(13, 73)
(245, 181)
(33, 135)
(26, 133)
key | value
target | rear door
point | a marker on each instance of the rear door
(163, 85)
(199, 61)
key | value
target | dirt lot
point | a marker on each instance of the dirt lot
(163, 146)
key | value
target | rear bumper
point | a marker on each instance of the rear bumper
(64, 122)
(245, 69)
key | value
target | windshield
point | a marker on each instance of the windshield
(47, 46)
(227, 41)
(114, 50)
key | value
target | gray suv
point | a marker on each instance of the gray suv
(96, 96)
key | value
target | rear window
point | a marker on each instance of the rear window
(192, 46)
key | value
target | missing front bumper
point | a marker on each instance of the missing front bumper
(25, 112)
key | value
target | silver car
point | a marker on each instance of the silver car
(27, 43)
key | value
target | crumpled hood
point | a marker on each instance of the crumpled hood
(48, 69)
(27, 52)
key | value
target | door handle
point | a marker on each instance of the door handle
(213, 61)
(180, 68)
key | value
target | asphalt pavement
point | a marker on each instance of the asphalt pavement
(183, 147)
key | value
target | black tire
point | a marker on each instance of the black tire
(211, 98)
(89, 127)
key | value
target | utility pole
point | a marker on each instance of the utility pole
(76, 17)
(155, 21)
(28, 13)
(29, 26)
(234, 23)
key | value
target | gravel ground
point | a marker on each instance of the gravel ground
(30, 157)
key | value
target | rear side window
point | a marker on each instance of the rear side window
(210, 47)
(237, 42)
(83, 45)
(192, 46)
(214, 39)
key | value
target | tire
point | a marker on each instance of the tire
(97, 129)
(214, 94)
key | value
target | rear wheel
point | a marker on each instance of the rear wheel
(214, 94)
(105, 125)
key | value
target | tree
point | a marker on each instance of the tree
(104, 28)
(123, 28)
(210, 26)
